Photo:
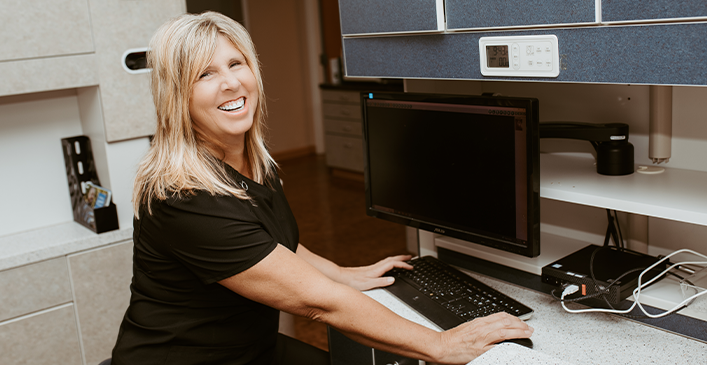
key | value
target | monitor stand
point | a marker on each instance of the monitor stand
(552, 248)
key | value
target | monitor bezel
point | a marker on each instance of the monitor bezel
(533, 169)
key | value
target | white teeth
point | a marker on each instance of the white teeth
(233, 105)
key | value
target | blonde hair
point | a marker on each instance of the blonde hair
(181, 158)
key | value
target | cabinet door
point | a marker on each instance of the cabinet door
(102, 288)
(628, 10)
(40, 28)
(471, 14)
(391, 16)
(118, 26)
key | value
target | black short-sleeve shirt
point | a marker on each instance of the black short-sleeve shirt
(178, 313)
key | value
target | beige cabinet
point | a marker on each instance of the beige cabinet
(45, 45)
(343, 129)
(37, 316)
(66, 44)
(65, 310)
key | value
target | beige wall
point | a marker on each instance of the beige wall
(278, 30)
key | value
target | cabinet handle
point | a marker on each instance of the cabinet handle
(135, 60)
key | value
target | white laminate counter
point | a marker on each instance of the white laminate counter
(54, 241)
(564, 338)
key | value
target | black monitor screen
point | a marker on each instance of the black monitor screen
(465, 167)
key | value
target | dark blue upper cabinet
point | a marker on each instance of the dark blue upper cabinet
(628, 10)
(667, 54)
(391, 16)
(472, 14)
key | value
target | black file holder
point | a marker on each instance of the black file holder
(80, 169)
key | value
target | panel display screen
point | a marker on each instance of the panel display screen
(497, 56)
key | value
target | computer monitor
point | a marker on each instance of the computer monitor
(462, 166)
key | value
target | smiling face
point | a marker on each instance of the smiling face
(225, 96)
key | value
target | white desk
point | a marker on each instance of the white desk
(564, 338)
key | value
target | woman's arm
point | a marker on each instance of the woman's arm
(361, 278)
(286, 282)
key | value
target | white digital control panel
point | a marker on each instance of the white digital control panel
(520, 56)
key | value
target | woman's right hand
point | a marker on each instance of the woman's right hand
(469, 340)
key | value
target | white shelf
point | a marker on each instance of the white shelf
(679, 195)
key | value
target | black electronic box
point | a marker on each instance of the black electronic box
(608, 264)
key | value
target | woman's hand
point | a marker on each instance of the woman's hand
(370, 277)
(469, 340)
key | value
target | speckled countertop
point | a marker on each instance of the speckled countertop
(559, 338)
(53, 241)
(564, 338)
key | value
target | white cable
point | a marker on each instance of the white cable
(637, 292)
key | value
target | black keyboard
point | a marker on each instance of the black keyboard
(448, 297)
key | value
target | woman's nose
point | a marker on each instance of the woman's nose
(230, 81)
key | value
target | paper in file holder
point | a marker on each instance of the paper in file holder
(80, 169)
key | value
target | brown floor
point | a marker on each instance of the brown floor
(330, 212)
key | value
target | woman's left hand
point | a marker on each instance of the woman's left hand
(370, 277)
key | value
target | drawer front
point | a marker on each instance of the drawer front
(342, 111)
(35, 287)
(470, 14)
(346, 97)
(48, 337)
(344, 152)
(49, 73)
(627, 10)
(343, 127)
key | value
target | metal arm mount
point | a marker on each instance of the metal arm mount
(610, 140)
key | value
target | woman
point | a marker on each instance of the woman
(217, 254)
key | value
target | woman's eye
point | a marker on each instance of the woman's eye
(236, 63)
(204, 75)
